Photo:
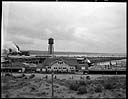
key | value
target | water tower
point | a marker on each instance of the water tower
(50, 46)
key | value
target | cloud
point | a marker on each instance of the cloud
(19, 39)
(84, 34)
(78, 26)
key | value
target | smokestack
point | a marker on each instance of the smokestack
(18, 48)
(11, 46)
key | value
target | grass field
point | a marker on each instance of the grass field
(65, 86)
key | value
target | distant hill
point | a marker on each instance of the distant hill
(35, 52)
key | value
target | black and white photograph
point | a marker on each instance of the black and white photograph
(63, 50)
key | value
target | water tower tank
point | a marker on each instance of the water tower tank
(50, 41)
(50, 47)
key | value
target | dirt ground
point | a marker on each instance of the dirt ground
(40, 86)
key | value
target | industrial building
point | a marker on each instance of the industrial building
(52, 63)
(48, 64)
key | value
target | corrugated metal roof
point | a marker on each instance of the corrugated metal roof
(48, 61)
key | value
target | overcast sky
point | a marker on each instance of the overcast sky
(75, 26)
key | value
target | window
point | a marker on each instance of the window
(71, 67)
(60, 62)
(49, 67)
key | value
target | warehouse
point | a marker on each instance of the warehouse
(64, 65)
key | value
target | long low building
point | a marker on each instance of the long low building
(27, 59)
(48, 64)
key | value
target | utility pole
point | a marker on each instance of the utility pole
(52, 85)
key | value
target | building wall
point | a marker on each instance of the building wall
(60, 66)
